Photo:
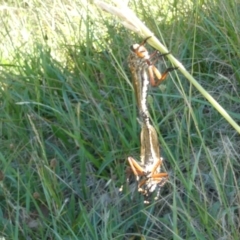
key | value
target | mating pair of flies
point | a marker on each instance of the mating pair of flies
(144, 73)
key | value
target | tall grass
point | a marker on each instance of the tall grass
(68, 123)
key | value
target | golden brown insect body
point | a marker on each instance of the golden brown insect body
(139, 70)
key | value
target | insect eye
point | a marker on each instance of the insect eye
(132, 48)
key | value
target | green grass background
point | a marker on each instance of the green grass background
(68, 122)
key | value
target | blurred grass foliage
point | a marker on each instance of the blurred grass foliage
(68, 122)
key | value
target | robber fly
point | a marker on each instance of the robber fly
(148, 172)
(139, 62)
